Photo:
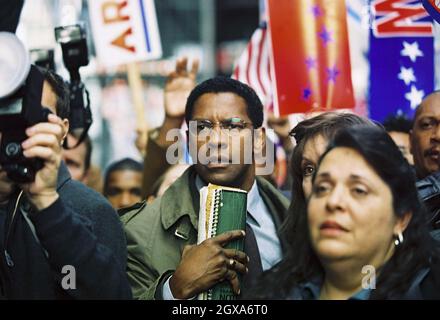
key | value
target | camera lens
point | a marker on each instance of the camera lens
(12, 150)
(20, 173)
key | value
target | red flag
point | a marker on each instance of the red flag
(310, 55)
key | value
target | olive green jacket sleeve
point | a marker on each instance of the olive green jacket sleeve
(144, 279)
(153, 253)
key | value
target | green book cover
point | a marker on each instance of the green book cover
(222, 209)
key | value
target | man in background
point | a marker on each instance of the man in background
(123, 183)
(398, 127)
(78, 159)
(425, 147)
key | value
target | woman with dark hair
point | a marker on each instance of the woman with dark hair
(312, 137)
(363, 211)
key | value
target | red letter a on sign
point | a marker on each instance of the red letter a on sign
(120, 41)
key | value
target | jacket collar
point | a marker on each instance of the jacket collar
(181, 199)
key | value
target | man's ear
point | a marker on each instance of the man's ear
(259, 140)
(66, 126)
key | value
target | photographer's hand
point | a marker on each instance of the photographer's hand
(44, 142)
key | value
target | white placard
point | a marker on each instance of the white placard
(125, 31)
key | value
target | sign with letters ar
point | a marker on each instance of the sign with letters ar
(124, 31)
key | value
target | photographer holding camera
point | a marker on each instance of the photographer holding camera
(59, 239)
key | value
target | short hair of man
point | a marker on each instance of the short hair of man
(61, 91)
(224, 84)
(124, 164)
(396, 123)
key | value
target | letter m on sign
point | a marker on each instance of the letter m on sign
(396, 18)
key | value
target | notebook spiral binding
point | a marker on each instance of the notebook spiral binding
(217, 205)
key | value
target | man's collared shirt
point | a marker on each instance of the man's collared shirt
(264, 229)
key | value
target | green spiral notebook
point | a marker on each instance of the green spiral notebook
(222, 209)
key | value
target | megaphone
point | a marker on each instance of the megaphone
(21, 88)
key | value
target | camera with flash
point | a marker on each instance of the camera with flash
(21, 88)
(73, 42)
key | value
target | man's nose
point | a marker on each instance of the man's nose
(126, 200)
(218, 136)
(436, 134)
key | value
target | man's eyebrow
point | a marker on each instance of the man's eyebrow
(233, 119)
(113, 188)
(431, 119)
(73, 162)
(426, 117)
(226, 118)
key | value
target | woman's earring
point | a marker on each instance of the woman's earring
(399, 239)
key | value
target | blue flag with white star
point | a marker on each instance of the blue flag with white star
(401, 58)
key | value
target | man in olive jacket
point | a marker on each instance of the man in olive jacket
(164, 261)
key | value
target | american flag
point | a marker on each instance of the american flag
(254, 68)
(401, 58)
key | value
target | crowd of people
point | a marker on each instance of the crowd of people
(360, 195)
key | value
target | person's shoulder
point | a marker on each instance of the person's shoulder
(126, 212)
(140, 215)
(79, 192)
(86, 201)
(129, 213)
(142, 227)
(94, 209)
